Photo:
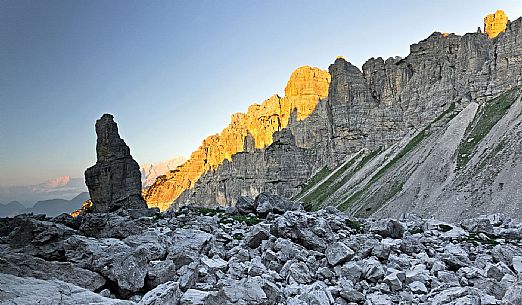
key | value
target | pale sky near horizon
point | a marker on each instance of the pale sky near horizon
(172, 72)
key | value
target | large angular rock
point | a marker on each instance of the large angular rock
(304, 229)
(167, 293)
(114, 182)
(17, 290)
(270, 203)
(29, 266)
(337, 253)
(112, 258)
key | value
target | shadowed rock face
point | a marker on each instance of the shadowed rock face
(114, 182)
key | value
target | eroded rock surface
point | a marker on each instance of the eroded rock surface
(369, 109)
(240, 256)
(114, 182)
(247, 132)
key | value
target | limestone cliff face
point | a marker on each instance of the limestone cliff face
(304, 89)
(495, 24)
(370, 109)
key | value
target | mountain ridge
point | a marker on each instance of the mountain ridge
(370, 108)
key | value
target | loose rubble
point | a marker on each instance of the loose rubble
(252, 255)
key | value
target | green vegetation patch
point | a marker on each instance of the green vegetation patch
(313, 200)
(378, 199)
(488, 116)
(313, 181)
(248, 220)
(355, 225)
(326, 188)
(406, 150)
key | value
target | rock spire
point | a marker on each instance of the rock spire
(114, 182)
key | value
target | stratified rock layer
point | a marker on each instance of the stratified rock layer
(307, 85)
(114, 182)
(494, 24)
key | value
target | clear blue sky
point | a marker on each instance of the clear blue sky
(172, 72)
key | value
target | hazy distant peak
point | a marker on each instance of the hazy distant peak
(149, 172)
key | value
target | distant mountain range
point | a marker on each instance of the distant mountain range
(68, 188)
(51, 207)
(63, 187)
(149, 172)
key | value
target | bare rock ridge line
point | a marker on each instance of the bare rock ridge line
(368, 109)
(307, 85)
(114, 182)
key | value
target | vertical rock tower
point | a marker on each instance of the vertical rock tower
(114, 182)
(496, 23)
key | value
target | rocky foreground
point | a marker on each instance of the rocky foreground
(264, 251)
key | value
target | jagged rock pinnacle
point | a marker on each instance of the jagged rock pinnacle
(114, 182)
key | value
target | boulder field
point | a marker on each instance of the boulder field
(266, 250)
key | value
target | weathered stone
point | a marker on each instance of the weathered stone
(167, 293)
(304, 89)
(257, 234)
(494, 24)
(17, 290)
(418, 287)
(338, 253)
(388, 228)
(513, 294)
(478, 225)
(111, 258)
(372, 270)
(114, 181)
(245, 205)
(306, 230)
(268, 203)
(195, 297)
(29, 266)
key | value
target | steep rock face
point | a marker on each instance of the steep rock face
(280, 168)
(302, 93)
(495, 24)
(114, 181)
(373, 109)
(368, 109)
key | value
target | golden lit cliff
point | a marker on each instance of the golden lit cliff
(304, 89)
(494, 24)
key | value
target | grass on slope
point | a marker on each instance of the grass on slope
(490, 113)
(406, 150)
(324, 190)
(313, 181)
(313, 200)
